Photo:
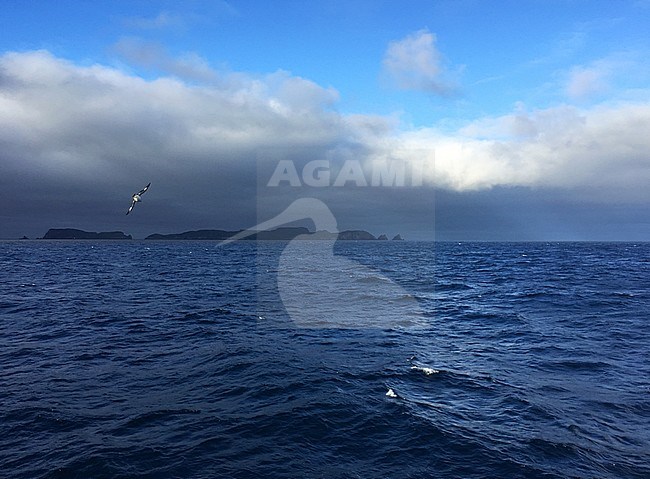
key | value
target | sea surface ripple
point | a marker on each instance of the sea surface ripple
(179, 359)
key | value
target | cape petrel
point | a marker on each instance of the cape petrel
(136, 197)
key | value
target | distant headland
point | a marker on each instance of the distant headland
(71, 233)
(286, 233)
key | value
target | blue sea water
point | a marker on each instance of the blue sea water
(442, 360)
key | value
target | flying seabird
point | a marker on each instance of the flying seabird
(136, 197)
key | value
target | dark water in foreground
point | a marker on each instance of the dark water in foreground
(147, 359)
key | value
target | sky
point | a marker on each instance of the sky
(451, 119)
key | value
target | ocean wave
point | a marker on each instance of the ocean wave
(425, 370)
(516, 370)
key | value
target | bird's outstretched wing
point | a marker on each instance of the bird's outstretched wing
(131, 207)
(144, 189)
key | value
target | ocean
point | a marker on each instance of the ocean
(366, 359)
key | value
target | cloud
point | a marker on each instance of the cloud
(414, 63)
(194, 13)
(77, 135)
(163, 20)
(60, 117)
(151, 55)
(585, 82)
(603, 149)
(76, 141)
(48, 101)
(606, 75)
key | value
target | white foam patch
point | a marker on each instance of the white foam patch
(427, 371)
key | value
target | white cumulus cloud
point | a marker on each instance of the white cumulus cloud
(605, 148)
(414, 63)
(62, 124)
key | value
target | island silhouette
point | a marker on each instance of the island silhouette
(278, 234)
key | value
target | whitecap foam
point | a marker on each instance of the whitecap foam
(427, 371)
(391, 393)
